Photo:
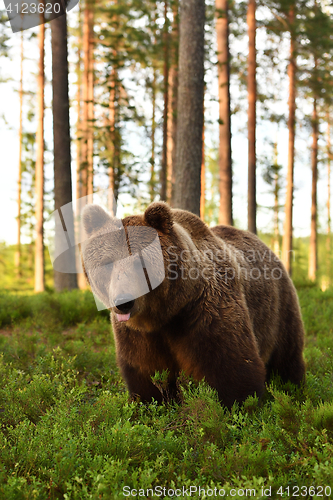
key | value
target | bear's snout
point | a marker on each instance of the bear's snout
(124, 303)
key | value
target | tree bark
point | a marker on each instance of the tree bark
(39, 209)
(225, 169)
(153, 132)
(329, 158)
(164, 168)
(88, 104)
(328, 236)
(276, 245)
(203, 178)
(79, 114)
(19, 183)
(115, 145)
(287, 241)
(190, 106)
(61, 141)
(81, 279)
(91, 116)
(313, 251)
(252, 97)
(173, 91)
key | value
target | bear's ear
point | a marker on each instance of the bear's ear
(94, 218)
(158, 215)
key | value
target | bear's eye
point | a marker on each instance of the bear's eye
(104, 271)
(107, 264)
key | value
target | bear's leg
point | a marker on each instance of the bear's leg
(228, 359)
(139, 384)
(240, 379)
(287, 358)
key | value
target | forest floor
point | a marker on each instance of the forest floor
(68, 429)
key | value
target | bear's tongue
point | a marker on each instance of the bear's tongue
(123, 317)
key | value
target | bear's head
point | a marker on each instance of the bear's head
(127, 263)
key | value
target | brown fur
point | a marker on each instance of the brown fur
(226, 326)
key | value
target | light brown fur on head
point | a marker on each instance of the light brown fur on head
(220, 313)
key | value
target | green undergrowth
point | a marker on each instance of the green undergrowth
(69, 430)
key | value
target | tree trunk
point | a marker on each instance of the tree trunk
(203, 178)
(252, 96)
(81, 279)
(287, 242)
(112, 128)
(313, 264)
(114, 168)
(90, 145)
(276, 245)
(329, 157)
(61, 141)
(190, 105)
(39, 209)
(79, 115)
(88, 104)
(19, 183)
(153, 131)
(173, 91)
(223, 56)
(328, 237)
(166, 105)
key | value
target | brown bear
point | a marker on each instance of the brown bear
(226, 310)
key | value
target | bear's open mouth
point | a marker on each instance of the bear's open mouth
(123, 317)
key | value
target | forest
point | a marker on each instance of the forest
(223, 108)
(263, 88)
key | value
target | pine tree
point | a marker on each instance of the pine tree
(287, 243)
(39, 211)
(252, 97)
(173, 92)
(223, 55)
(19, 183)
(88, 101)
(164, 166)
(61, 140)
(190, 105)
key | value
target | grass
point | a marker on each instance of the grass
(68, 429)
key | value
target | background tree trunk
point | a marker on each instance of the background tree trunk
(223, 56)
(287, 241)
(88, 92)
(39, 210)
(313, 251)
(329, 158)
(276, 245)
(252, 97)
(79, 114)
(173, 90)
(164, 168)
(19, 182)
(81, 279)
(153, 132)
(190, 106)
(203, 178)
(328, 236)
(114, 169)
(91, 117)
(61, 137)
